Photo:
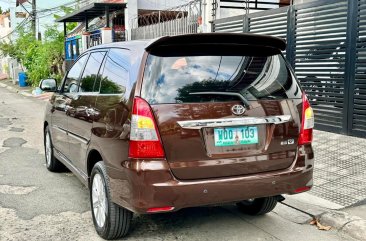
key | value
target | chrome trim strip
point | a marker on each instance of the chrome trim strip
(198, 124)
(59, 129)
(82, 140)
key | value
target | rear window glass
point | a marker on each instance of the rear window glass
(185, 79)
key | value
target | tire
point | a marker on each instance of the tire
(117, 220)
(52, 163)
(258, 206)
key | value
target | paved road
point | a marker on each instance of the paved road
(38, 205)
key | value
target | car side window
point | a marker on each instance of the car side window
(115, 76)
(72, 78)
(90, 77)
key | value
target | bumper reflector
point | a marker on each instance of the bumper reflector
(160, 209)
(302, 189)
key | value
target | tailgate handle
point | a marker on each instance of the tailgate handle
(198, 124)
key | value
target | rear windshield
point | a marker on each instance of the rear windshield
(186, 79)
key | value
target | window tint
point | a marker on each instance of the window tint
(90, 76)
(217, 78)
(71, 82)
(115, 77)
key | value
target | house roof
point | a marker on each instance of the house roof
(91, 11)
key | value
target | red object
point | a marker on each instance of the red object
(302, 189)
(19, 2)
(199, 20)
(119, 27)
(306, 135)
(160, 209)
(145, 148)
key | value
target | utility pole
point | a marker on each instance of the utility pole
(34, 18)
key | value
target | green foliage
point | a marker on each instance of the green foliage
(66, 10)
(41, 59)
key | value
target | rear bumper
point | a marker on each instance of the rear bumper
(141, 185)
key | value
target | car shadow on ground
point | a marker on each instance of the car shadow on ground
(213, 223)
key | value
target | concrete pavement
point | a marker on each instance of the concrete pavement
(38, 205)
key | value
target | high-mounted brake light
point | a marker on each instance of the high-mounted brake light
(144, 137)
(307, 122)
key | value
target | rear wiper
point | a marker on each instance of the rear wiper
(245, 101)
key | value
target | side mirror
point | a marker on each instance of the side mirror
(49, 85)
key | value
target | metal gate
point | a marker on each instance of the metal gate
(326, 46)
(179, 20)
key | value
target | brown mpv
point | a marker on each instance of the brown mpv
(182, 121)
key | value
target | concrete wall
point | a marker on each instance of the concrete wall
(159, 4)
(226, 12)
(5, 28)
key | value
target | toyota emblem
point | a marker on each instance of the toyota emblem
(238, 109)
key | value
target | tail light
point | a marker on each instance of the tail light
(144, 137)
(307, 123)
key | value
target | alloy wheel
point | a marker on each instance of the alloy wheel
(99, 200)
(48, 150)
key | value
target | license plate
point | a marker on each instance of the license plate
(233, 136)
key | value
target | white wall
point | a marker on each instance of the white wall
(130, 16)
(131, 11)
(227, 12)
(5, 29)
(159, 4)
(302, 1)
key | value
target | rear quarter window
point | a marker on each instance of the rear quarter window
(115, 77)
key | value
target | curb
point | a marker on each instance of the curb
(14, 89)
(327, 214)
(351, 225)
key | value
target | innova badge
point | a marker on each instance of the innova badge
(238, 109)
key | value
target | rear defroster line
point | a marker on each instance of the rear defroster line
(242, 98)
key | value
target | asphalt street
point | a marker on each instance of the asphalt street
(38, 205)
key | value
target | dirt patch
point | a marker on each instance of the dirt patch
(4, 122)
(63, 226)
(16, 129)
(14, 142)
(16, 190)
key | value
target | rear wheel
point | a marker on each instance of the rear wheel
(110, 220)
(52, 163)
(258, 206)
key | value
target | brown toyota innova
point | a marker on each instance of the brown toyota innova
(190, 120)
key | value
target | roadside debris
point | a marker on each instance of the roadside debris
(319, 225)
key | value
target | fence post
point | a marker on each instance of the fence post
(246, 23)
(290, 36)
(350, 67)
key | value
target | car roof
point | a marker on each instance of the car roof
(136, 45)
(226, 38)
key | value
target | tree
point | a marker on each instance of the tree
(40, 59)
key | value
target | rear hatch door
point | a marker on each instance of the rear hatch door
(223, 113)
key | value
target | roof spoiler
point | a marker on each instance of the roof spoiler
(220, 38)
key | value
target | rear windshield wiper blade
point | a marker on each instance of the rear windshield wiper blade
(245, 101)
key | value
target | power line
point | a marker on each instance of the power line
(58, 8)
(17, 28)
